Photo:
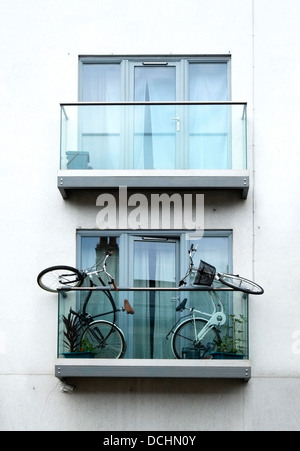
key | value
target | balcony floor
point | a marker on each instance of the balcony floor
(228, 179)
(233, 369)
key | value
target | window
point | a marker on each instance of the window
(166, 78)
(156, 260)
(157, 135)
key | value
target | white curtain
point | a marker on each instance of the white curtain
(101, 125)
(154, 128)
(209, 140)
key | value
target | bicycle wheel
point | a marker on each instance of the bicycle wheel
(240, 283)
(108, 340)
(55, 277)
(185, 344)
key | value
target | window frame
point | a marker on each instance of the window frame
(127, 239)
(128, 62)
(182, 65)
(183, 236)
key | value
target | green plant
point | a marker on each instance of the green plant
(72, 332)
(87, 346)
(233, 342)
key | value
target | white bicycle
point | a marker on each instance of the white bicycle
(206, 274)
(196, 334)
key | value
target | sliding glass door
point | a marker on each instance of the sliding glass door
(155, 265)
(154, 125)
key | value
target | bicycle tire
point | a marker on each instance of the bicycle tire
(240, 283)
(107, 339)
(184, 338)
(55, 277)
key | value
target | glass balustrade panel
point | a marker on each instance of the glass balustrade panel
(150, 333)
(153, 136)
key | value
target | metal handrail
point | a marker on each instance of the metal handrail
(109, 288)
(180, 102)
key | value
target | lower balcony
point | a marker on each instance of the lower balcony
(196, 333)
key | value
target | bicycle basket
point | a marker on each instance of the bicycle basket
(205, 274)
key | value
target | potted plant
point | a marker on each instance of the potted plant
(232, 345)
(72, 333)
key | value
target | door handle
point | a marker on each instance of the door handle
(177, 119)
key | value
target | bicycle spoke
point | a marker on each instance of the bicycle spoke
(180, 335)
(97, 335)
(56, 277)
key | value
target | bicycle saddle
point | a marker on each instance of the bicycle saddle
(128, 307)
(181, 306)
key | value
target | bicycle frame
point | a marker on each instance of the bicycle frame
(89, 274)
(191, 268)
(87, 319)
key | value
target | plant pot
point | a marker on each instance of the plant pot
(227, 355)
(190, 353)
(79, 355)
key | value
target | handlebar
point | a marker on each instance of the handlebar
(112, 282)
(193, 249)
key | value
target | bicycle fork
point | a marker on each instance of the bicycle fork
(217, 320)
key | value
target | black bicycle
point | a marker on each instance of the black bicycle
(105, 338)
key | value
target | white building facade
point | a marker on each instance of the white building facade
(232, 59)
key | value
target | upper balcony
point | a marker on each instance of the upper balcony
(191, 145)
